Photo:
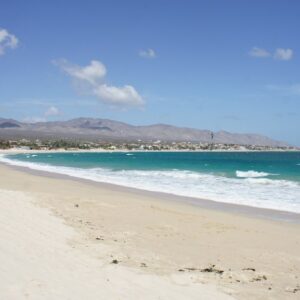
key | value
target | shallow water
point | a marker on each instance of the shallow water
(260, 179)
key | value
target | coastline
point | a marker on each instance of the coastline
(43, 257)
(249, 211)
(206, 203)
(254, 258)
(98, 150)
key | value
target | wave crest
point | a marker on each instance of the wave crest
(253, 190)
(251, 174)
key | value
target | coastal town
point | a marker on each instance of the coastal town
(75, 145)
(149, 150)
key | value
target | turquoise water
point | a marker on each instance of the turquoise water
(263, 179)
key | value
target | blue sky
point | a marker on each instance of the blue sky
(221, 65)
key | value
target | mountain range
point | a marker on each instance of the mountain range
(108, 130)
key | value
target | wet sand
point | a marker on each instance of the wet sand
(161, 245)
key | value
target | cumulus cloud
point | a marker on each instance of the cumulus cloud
(93, 77)
(92, 73)
(126, 95)
(259, 52)
(148, 53)
(52, 111)
(279, 53)
(7, 41)
(283, 54)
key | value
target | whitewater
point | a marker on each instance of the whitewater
(216, 179)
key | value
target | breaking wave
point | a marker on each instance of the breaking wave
(251, 174)
(252, 188)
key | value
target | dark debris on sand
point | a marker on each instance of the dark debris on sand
(210, 269)
(115, 261)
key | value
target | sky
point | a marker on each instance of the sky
(220, 65)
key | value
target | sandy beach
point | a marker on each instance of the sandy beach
(62, 238)
(149, 150)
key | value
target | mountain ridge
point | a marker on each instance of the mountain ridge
(106, 129)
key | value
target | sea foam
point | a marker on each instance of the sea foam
(251, 174)
(257, 191)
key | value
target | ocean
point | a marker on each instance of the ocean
(259, 179)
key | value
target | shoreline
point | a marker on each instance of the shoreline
(97, 150)
(249, 258)
(247, 210)
(43, 257)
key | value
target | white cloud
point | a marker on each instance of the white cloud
(149, 53)
(92, 73)
(7, 40)
(126, 95)
(52, 111)
(279, 53)
(283, 54)
(93, 76)
(259, 52)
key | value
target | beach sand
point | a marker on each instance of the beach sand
(62, 238)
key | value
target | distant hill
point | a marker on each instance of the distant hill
(104, 129)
